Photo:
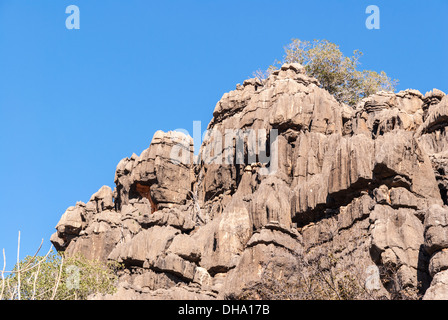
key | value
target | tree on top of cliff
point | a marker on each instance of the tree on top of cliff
(336, 73)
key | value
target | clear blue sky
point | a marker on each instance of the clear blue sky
(73, 103)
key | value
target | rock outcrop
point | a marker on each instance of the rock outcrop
(285, 174)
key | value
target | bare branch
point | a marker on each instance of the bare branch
(3, 274)
(18, 268)
(34, 284)
(35, 265)
(58, 280)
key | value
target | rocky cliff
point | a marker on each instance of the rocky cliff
(288, 184)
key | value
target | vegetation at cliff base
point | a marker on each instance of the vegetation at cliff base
(55, 277)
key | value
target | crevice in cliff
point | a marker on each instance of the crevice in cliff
(384, 175)
(172, 274)
(442, 181)
(333, 202)
(269, 242)
(132, 263)
(219, 269)
(311, 216)
(444, 193)
(439, 123)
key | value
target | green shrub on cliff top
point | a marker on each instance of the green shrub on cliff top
(336, 73)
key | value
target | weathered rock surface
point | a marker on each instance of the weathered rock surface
(285, 174)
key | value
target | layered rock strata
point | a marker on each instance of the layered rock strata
(285, 174)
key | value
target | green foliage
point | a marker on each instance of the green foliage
(61, 278)
(336, 73)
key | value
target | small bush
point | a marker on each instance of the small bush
(57, 277)
(336, 73)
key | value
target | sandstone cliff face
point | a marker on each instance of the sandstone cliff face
(367, 186)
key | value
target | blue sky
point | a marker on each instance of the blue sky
(73, 103)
